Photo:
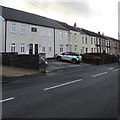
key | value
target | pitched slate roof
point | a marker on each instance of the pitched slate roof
(68, 26)
(112, 39)
(93, 33)
(25, 17)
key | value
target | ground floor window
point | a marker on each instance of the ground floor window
(75, 48)
(43, 49)
(12, 47)
(94, 50)
(61, 48)
(70, 48)
(86, 50)
(22, 48)
(91, 50)
(83, 50)
(49, 48)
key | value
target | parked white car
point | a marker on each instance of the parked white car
(69, 56)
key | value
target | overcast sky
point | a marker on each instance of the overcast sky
(94, 15)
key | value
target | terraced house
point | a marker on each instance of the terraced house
(28, 33)
(73, 38)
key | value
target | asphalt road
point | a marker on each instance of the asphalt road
(85, 91)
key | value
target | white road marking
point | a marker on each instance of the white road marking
(60, 85)
(115, 70)
(99, 74)
(111, 68)
(8, 99)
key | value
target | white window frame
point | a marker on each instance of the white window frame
(43, 32)
(75, 48)
(50, 48)
(13, 28)
(83, 50)
(86, 50)
(43, 49)
(61, 48)
(22, 29)
(12, 47)
(91, 40)
(75, 37)
(86, 40)
(61, 35)
(22, 48)
(92, 51)
(83, 39)
(49, 32)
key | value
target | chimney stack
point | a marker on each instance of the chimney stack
(75, 24)
(99, 32)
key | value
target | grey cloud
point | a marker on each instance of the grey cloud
(76, 8)
(63, 8)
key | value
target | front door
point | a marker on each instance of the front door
(36, 48)
(30, 48)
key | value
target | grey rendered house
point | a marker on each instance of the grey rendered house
(28, 33)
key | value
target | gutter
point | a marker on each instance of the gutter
(5, 34)
(54, 42)
(2, 18)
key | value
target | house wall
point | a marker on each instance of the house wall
(61, 41)
(2, 34)
(92, 45)
(114, 47)
(74, 41)
(44, 37)
(85, 44)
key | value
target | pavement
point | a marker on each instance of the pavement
(53, 65)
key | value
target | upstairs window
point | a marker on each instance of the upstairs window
(44, 32)
(33, 29)
(61, 35)
(91, 41)
(82, 39)
(22, 29)
(49, 32)
(75, 37)
(13, 28)
(96, 40)
(86, 40)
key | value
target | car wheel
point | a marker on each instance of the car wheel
(74, 61)
(58, 58)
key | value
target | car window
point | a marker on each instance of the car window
(66, 53)
(77, 55)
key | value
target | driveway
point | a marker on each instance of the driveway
(53, 65)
